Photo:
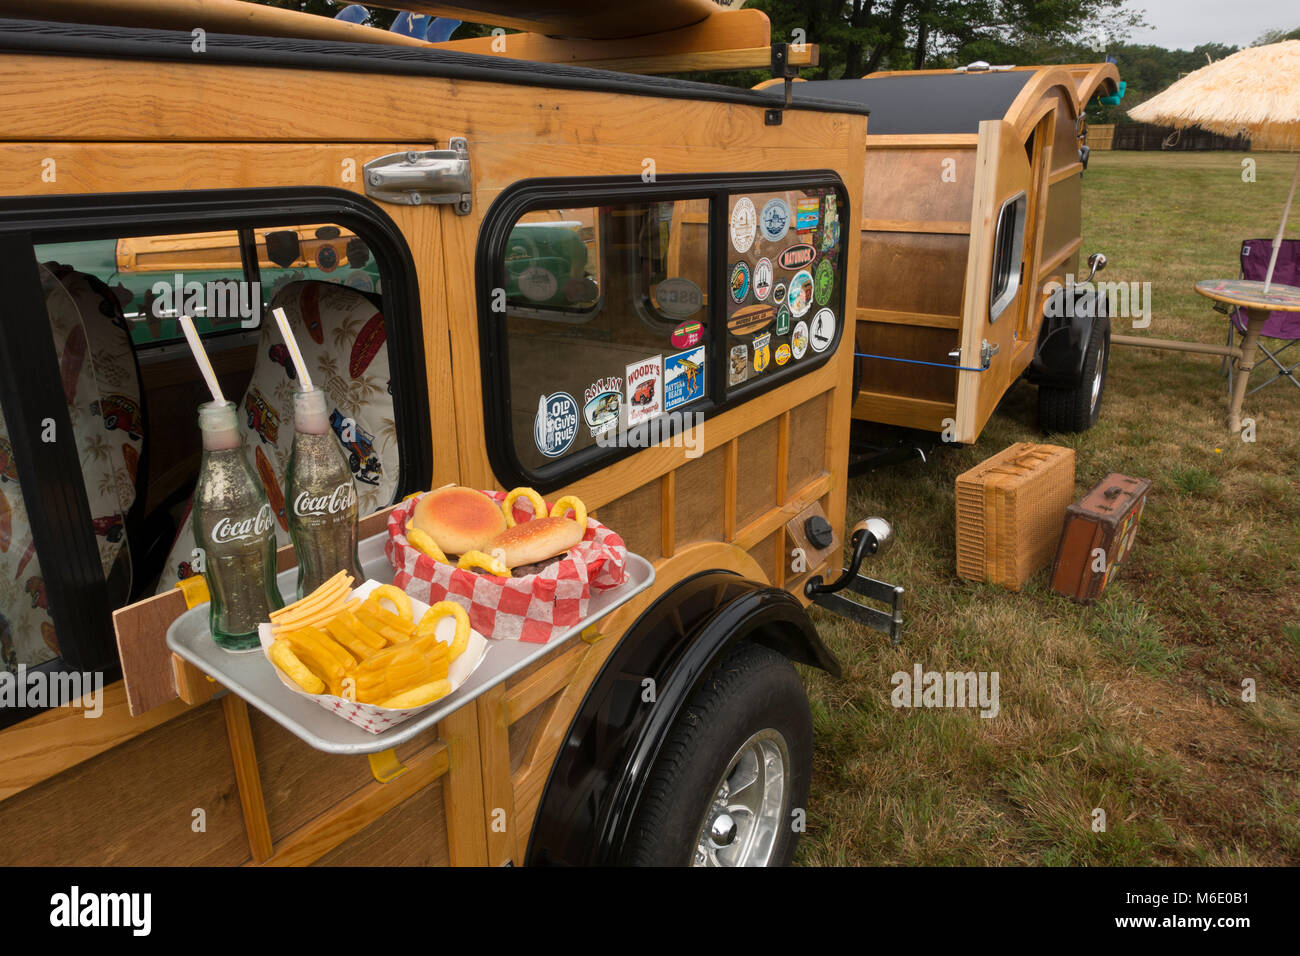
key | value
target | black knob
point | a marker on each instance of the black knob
(819, 531)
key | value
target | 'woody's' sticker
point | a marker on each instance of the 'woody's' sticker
(738, 365)
(739, 282)
(556, 424)
(645, 393)
(799, 340)
(775, 220)
(762, 278)
(744, 224)
(825, 282)
(782, 354)
(822, 330)
(762, 351)
(801, 293)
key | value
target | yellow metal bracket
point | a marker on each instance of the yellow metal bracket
(195, 590)
(385, 767)
(591, 634)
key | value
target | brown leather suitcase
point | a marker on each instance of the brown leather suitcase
(1098, 535)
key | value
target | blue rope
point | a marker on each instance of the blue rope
(890, 358)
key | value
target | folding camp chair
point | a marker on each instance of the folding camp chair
(1284, 326)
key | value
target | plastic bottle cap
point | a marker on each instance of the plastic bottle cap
(309, 412)
(219, 424)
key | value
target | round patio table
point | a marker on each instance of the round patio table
(1257, 303)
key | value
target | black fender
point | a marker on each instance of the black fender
(595, 785)
(1064, 338)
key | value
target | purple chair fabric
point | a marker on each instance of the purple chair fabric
(1254, 265)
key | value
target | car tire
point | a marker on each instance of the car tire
(748, 728)
(1077, 409)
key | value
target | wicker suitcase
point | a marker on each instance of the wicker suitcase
(1098, 535)
(1009, 512)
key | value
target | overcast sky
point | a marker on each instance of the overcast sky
(1183, 24)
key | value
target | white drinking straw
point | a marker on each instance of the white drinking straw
(201, 356)
(282, 320)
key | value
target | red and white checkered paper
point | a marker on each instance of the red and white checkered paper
(535, 608)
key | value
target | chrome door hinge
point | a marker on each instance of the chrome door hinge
(417, 177)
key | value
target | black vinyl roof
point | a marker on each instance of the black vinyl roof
(927, 103)
(39, 36)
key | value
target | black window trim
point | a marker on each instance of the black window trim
(51, 481)
(581, 191)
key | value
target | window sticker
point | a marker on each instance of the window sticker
(556, 424)
(778, 294)
(782, 321)
(679, 297)
(762, 279)
(762, 351)
(822, 331)
(782, 354)
(775, 220)
(740, 282)
(645, 396)
(738, 366)
(807, 215)
(603, 400)
(538, 284)
(683, 378)
(687, 334)
(801, 293)
(796, 257)
(744, 224)
(799, 340)
(830, 224)
(751, 319)
(825, 282)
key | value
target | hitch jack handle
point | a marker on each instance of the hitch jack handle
(870, 536)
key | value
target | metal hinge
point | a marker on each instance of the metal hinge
(417, 177)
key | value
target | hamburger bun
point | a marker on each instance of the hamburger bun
(458, 519)
(536, 540)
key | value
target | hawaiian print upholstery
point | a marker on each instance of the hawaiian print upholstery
(102, 385)
(341, 334)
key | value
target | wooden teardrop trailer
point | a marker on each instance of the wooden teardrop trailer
(457, 235)
(970, 208)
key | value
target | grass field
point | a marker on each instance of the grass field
(1134, 705)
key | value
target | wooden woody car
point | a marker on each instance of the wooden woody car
(640, 739)
(970, 213)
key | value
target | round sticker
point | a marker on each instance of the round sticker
(327, 260)
(744, 223)
(782, 321)
(740, 282)
(782, 354)
(822, 331)
(825, 282)
(679, 297)
(556, 424)
(801, 293)
(687, 334)
(799, 340)
(762, 278)
(537, 284)
(775, 220)
(778, 294)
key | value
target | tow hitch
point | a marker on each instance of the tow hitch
(870, 536)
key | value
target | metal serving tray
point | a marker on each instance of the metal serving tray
(251, 676)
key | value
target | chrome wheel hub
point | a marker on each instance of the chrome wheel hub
(744, 819)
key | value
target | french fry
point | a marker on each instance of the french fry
(283, 657)
(419, 696)
(323, 597)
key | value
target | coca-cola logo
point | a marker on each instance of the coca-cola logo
(227, 530)
(338, 501)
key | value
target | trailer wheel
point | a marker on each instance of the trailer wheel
(1077, 409)
(734, 770)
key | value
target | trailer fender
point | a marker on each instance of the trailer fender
(1064, 339)
(594, 787)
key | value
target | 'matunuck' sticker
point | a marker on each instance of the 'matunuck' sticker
(796, 257)
(738, 364)
(739, 282)
(762, 278)
(775, 220)
(801, 293)
(744, 224)
(645, 395)
(762, 351)
(799, 340)
(683, 378)
(822, 330)
(556, 424)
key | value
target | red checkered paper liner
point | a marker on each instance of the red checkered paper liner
(534, 608)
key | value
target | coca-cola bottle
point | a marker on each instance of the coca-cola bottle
(235, 527)
(321, 497)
